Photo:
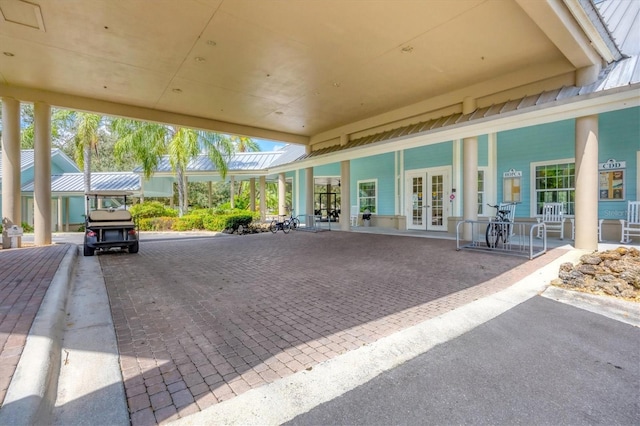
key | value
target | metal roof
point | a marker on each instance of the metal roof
(100, 181)
(622, 18)
(239, 162)
(27, 158)
(619, 74)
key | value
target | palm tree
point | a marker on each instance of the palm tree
(148, 142)
(86, 141)
(243, 144)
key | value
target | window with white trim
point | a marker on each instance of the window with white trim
(481, 184)
(368, 195)
(555, 183)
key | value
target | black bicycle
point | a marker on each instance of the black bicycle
(294, 222)
(499, 228)
(279, 224)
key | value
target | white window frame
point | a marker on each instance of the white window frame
(483, 204)
(533, 182)
(375, 182)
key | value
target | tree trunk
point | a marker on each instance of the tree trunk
(87, 168)
(181, 191)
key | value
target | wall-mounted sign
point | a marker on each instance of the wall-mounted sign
(611, 164)
(611, 180)
(511, 186)
(512, 173)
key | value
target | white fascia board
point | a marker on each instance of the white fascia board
(591, 31)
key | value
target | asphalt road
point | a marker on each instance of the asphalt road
(540, 363)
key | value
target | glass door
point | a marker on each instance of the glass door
(417, 208)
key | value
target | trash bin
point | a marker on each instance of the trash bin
(366, 217)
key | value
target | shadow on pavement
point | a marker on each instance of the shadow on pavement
(201, 321)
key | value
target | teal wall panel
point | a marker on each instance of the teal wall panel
(76, 210)
(440, 154)
(619, 139)
(517, 149)
(332, 169)
(375, 167)
(483, 151)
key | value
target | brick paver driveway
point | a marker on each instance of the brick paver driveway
(200, 321)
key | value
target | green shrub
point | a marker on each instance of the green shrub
(156, 223)
(228, 221)
(26, 227)
(151, 209)
(189, 222)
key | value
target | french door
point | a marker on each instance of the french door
(428, 205)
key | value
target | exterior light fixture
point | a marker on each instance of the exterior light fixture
(406, 49)
(199, 59)
(176, 90)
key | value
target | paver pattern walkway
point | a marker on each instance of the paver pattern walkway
(25, 275)
(201, 321)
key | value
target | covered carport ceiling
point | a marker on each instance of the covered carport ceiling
(295, 71)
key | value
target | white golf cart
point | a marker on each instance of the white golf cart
(108, 223)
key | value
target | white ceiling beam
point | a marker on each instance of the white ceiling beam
(79, 103)
(559, 25)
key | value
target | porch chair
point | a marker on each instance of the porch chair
(353, 217)
(511, 207)
(553, 218)
(631, 225)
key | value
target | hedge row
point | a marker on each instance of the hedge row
(197, 221)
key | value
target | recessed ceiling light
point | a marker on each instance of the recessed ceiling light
(199, 59)
(9, 54)
(211, 43)
(176, 90)
(336, 84)
(407, 49)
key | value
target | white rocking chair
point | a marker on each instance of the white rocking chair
(553, 218)
(631, 225)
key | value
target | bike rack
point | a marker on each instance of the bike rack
(311, 223)
(520, 242)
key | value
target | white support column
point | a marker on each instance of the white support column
(345, 195)
(470, 184)
(586, 208)
(66, 214)
(309, 201)
(282, 194)
(232, 191)
(59, 227)
(252, 194)
(263, 198)
(11, 202)
(42, 174)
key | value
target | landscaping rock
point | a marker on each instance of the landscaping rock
(612, 272)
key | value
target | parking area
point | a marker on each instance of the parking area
(199, 321)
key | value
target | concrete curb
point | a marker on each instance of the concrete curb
(617, 309)
(32, 391)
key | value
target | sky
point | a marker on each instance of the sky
(266, 145)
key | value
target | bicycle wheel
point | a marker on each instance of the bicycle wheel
(295, 223)
(286, 226)
(493, 234)
(273, 226)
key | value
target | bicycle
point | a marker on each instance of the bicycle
(499, 228)
(276, 224)
(294, 222)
